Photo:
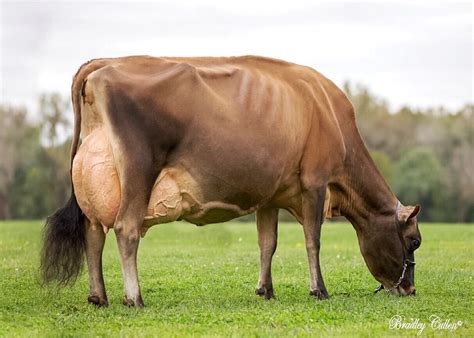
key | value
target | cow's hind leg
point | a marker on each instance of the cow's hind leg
(267, 224)
(127, 230)
(136, 182)
(128, 238)
(95, 239)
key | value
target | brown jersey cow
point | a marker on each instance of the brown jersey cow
(210, 139)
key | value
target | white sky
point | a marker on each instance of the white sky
(417, 54)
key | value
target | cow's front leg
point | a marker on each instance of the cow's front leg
(313, 217)
(95, 239)
(267, 224)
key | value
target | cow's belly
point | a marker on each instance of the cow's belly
(175, 195)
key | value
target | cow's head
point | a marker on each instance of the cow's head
(388, 250)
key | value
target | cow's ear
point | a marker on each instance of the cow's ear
(405, 213)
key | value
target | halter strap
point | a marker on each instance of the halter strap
(406, 264)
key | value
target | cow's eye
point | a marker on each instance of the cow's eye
(415, 244)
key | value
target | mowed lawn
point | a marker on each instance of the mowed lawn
(201, 281)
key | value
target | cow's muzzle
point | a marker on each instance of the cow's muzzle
(405, 285)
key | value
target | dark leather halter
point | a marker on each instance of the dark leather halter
(406, 261)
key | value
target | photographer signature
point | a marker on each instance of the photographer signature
(398, 322)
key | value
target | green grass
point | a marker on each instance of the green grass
(201, 281)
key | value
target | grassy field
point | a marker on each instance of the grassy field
(201, 281)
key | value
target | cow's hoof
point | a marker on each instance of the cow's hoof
(133, 303)
(319, 294)
(267, 293)
(98, 301)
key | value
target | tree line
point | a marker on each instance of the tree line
(427, 155)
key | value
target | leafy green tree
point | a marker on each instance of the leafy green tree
(34, 175)
(52, 108)
(14, 130)
(418, 180)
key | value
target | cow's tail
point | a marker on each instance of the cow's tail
(62, 256)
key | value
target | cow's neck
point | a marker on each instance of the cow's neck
(361, 194)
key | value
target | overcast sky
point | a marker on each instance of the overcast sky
(419, 54)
